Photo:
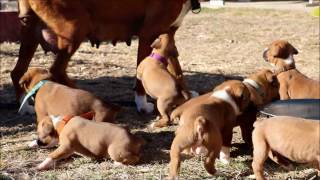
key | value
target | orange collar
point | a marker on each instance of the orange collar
(66, 119)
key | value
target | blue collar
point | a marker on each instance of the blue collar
(32, 92)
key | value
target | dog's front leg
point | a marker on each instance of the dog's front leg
(63, 151)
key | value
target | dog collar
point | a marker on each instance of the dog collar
(32, 92)
(255, 85)
(224, 96)
(160, 58)
(59, 121)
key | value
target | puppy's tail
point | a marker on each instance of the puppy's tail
(200, 126)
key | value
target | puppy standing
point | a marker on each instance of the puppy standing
(55, 99)
(158, 82)
(206, 126)
(296, 139)
(263, 87)
(93, 139)
(293, 84)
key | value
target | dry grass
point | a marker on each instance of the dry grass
(214, 46)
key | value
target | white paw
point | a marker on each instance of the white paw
(143, 105)
(194, 94)
(224, 155)
(225, 160)
(117, 163)
(33, 144)
(252, 176)
(46, 164)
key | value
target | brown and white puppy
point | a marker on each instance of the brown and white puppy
(206, 127)
(60, 100)
(282, 137)
(293, 84)
(93, 139)
(158, 82)
(263, 87)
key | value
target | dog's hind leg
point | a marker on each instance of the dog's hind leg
(164, 106)
(260, 154)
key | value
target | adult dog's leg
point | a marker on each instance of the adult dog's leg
(28, 46)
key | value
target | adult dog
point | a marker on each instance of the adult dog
(61, 25)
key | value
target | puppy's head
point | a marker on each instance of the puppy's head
(47, 135)
(268, 85)
(238, 91)
(32, 77)
(280, 53)
(166, 44)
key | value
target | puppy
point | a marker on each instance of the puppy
(293, 84)
(55, 99)
(90, 138)
(158, 82)
(263, 87)
(282, 137)
(206, 127)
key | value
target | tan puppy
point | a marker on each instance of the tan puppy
(158, 82)
(90, 138)
(263, 87)
(296, 139)
(205, 127)
(293, 84)
(59, 100)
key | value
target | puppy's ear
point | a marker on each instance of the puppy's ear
(156, 44)
(294, 50)
(25, 81)
(272, 79)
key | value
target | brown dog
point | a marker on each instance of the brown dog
(51, 24)
(158, 82)
(296, 139)
(206, 126)
(59, 100)
(93, 139)
(263, 87)
(293, 84)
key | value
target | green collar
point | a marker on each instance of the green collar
(32, 92)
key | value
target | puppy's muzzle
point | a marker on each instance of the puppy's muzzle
(264, 55)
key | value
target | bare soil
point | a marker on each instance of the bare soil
(214, 46)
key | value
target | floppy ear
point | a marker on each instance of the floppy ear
(156, 44)
(294, 50)
(272, 78)
(24, 81)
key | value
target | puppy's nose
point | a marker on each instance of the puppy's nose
(264, 55)
(40, 143)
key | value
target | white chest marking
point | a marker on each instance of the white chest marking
(55, 120)
(289, 60)
(185, 9)
(224, 96)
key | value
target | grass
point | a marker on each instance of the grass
(214, 46)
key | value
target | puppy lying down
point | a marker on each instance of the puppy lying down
(93, 139)
(294, 138)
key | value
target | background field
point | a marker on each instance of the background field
(214, 46)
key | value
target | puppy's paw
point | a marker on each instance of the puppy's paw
(46, 164)
(225, 160)
(142, 105)
(117, 164)
(33, 144)
(252, 176)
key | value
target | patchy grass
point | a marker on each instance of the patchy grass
(214, 46)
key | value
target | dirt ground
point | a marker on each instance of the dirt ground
(214, 46)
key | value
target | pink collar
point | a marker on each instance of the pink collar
(160, 58)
